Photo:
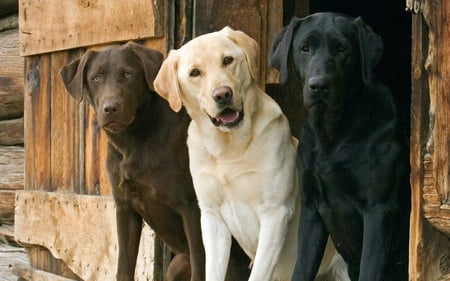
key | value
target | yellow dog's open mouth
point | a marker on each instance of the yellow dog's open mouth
(228, 118)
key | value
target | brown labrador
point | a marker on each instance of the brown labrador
(147, 160)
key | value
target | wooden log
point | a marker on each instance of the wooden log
(11, 103)
(9, 22)
(11, 167)
(11, 76)
(11, 132)
(32, 274)
(7, 198)
(9, 257)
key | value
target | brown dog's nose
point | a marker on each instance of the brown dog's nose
(222, 95)
(110, 108)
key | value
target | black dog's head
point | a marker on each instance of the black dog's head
(115, 81)
(330, 53)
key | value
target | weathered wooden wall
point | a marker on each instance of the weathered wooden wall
(430, 218)
(11, 115)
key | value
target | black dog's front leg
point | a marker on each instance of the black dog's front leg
(129, 228)
(376, 247)
(312, 233)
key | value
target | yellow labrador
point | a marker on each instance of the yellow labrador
(242, 155)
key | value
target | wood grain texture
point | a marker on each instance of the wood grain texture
(78, 23)
(11, 76)
(429, 247)
(80, 230)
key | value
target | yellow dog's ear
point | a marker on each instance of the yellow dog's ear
(166, 81)
(249, 46)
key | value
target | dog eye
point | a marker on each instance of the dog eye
(305, 49)
(96, 78)
(127, 75)
(194, 72)
(227, 60)
(340, 48)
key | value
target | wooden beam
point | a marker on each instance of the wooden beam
(11, 132)
(74, 23)
(32, 274)
(12, 166)
(80, 230)
(11, 76)
(7, 198)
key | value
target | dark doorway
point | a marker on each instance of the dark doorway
(388, 19)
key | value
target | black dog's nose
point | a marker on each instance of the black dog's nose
(318, 84)
(222, 95)
(110, 108)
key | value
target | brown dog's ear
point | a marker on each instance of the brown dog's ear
(166, 82)
(72, 76)
(280, 51)
(371, 49)
(151, 61)
(249, 46)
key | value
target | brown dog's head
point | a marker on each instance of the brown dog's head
(115, 81)
(210, 76)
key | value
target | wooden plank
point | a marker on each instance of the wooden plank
(74, 23)
(437, 149)
(32, 274)
(429, 248)
(65, 132)
(11, 132)
(80, 230)
(42, 259)
(37, 123)
(11, 76)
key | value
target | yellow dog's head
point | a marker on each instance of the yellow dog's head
(210, 76)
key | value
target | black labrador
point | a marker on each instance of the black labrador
(147, 158)
(353, 161)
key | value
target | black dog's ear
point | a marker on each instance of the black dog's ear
(371, 49)
(72, 76)
(279, 53)
(151, 61)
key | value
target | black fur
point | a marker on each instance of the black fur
(353, 161)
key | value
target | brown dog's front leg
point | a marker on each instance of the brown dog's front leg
(129, 227)
(191, 224)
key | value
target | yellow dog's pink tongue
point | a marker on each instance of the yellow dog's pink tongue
(228, 116)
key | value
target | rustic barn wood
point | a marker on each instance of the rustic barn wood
(80, 230)
(430, 216)
(11, 132)
(7, 198)
(10, 22)
(11, 167)
(11, 75)
(31, 274)
(74, 24)
(10, 257)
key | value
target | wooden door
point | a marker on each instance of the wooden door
(430, 141)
